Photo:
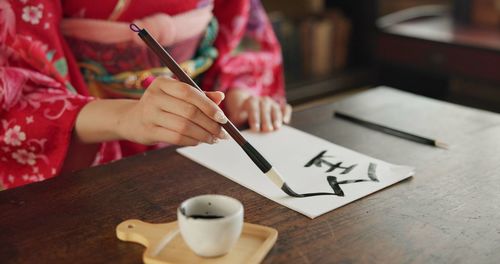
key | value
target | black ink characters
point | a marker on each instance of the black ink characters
(318, 161)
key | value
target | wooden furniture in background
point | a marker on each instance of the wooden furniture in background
(478, 13)
(386, 7)
(436, 56)
(448, 212)
(438, 45)
(326, 70)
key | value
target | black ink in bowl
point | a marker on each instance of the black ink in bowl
(207, 215)
(201, 216)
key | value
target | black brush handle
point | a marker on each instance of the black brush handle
(384, 129)
(256, 157)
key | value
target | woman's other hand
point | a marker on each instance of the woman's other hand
(261, 112)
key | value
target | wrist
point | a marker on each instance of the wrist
(102, 120)
(121, 119)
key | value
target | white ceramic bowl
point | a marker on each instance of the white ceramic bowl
(210, 224)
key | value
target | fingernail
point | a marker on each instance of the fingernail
(277, 125)
(256, 127)
(220, 117)
(270, 126)
(223, 134)
(213, 140)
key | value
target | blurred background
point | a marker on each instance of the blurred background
(445, 49)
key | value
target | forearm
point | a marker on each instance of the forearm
(96, 122)
(99, 120)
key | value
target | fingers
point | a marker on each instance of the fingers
(216, 97)
(184, 127)
(252, 107)
(287, 113)
(161, 134)
(191, 113)
(277, 116)
(192, 96)
(265, 114)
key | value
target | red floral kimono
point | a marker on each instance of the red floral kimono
(42, 88)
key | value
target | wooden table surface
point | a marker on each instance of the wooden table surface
(449, 212)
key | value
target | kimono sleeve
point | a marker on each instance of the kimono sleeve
(249, 53)
(41, 92)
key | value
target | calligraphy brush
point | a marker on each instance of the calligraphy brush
(254, 155)
(391, 131)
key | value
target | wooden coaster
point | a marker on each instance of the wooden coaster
(164, 243)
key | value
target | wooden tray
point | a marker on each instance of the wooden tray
(164, 243)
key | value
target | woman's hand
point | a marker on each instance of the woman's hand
(169, 111)
(261, 113)
(173, 112)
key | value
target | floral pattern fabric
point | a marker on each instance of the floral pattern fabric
(257, 69)
(38, 99)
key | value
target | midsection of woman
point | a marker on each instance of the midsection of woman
(127, 10)
(114, 59)
(50, 120)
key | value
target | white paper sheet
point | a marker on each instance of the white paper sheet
(289, 150)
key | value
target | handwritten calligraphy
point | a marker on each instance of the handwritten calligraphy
(320, 160)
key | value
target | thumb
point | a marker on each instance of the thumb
(217, 97)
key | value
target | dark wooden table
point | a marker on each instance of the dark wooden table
(448, 212)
